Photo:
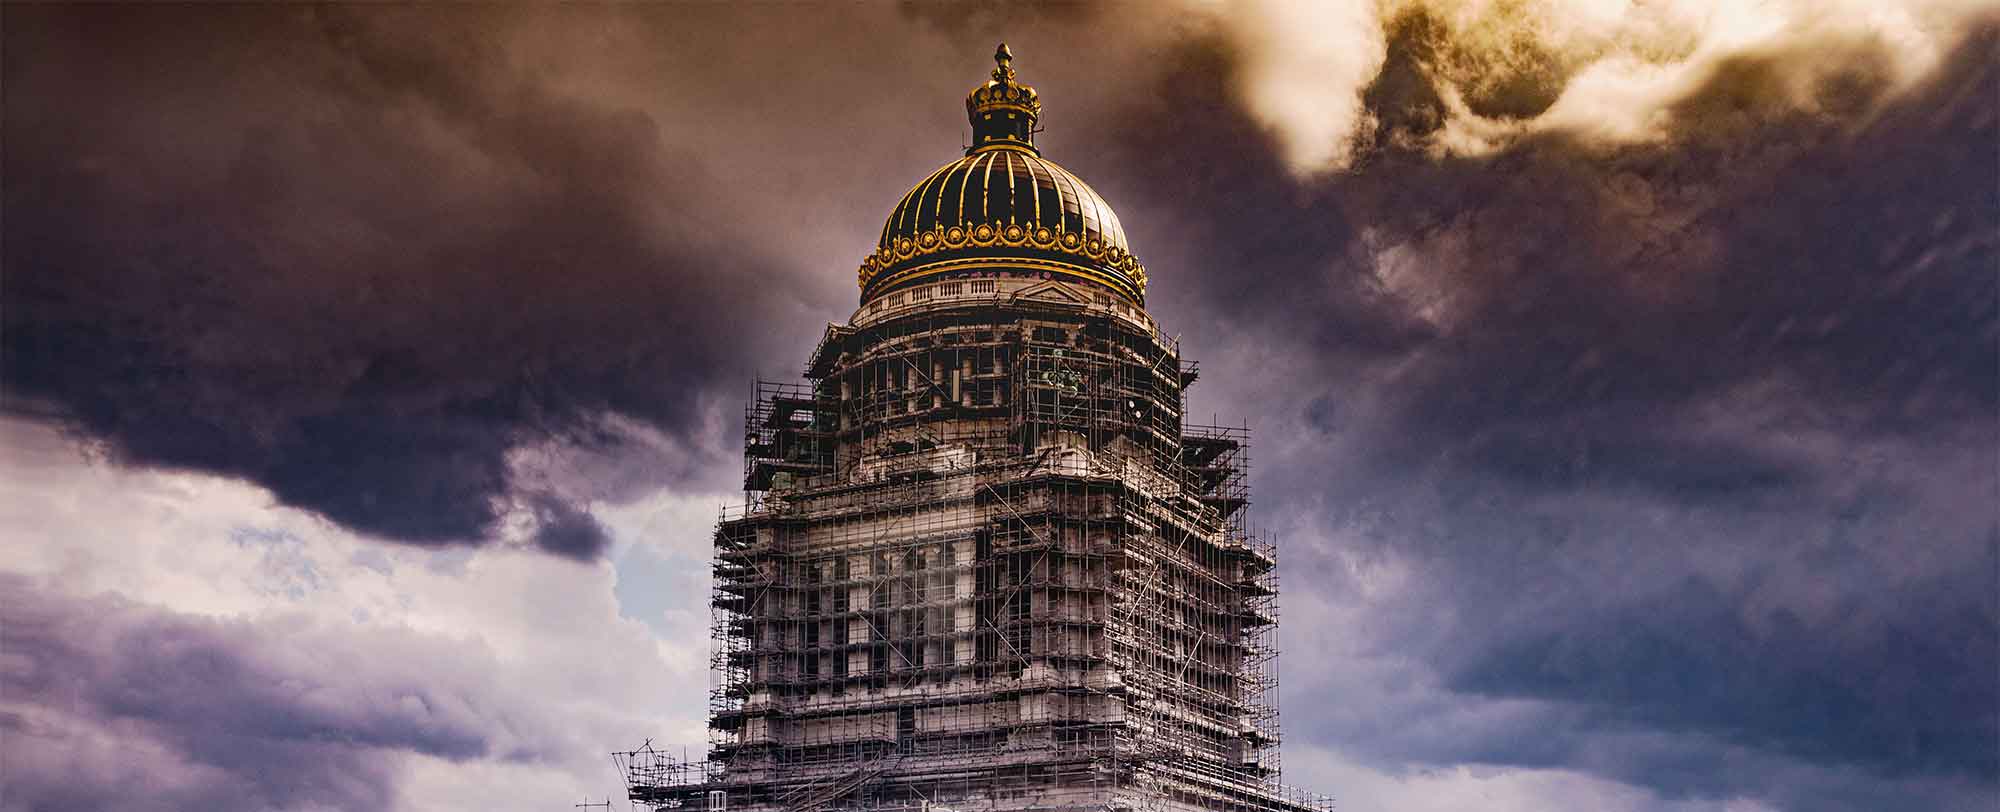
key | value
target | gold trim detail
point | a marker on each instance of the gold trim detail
(1004, 92)
(998, 234)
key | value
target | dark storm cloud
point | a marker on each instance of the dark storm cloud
(111, 704)
(1569, 277)
(1693, 436)
(356, 257)
(1908, 700)
(367, 257)
(1683, 443)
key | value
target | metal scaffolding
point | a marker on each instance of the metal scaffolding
(984, 562)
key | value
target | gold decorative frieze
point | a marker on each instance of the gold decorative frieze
(1092, 251)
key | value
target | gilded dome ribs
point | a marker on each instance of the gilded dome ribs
(986, 196)
(1073, 202)
(904, 209)
(928, 202)
(1012, 202)
(1034, 183)
(1042, 222)
(951, 190)
(1066, 203)
(964, 183)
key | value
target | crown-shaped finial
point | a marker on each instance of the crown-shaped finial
(1003, 111)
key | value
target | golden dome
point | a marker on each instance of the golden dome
(1002, 209)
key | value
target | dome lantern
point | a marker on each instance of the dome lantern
(1003, 111)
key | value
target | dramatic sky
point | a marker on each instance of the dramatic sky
(1625, 376)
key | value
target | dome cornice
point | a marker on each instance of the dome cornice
(943, 249)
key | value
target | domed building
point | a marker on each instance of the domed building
(983, 562)
(1003, 209)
